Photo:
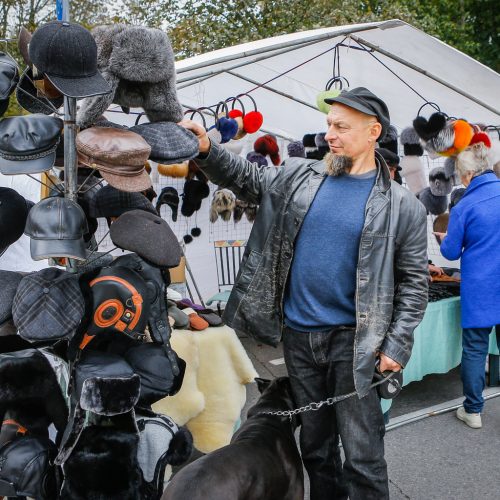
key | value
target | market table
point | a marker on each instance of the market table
(438, 344)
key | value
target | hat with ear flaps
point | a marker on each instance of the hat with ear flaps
(411, 142)
(138, 63)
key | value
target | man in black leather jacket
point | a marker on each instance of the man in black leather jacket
(336, 265)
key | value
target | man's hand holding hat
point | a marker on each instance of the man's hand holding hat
(200, 132)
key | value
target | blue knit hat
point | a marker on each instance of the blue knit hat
(296, 150)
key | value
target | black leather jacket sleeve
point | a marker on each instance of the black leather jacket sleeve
(248, 181)
(411, 292)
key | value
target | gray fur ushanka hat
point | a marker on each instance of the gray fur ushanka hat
(138, 63)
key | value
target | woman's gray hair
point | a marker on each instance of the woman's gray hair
(473, 159)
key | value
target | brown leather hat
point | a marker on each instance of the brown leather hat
(119, 155)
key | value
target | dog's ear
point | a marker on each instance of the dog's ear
(262, 384)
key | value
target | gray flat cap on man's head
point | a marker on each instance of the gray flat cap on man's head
(367, 102)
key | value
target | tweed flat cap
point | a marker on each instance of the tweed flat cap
(170, 143)
(10, 281)
(149, 236)
(119, 155)
(48, 305)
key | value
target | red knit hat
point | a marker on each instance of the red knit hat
(267, 145)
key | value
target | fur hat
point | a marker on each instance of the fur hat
(319, 140)
(268, 145)
(239, 209)
(413, 171)
(411, 142)
(30, 393)
(390, 140)
(103, 466)
(223, 203)
(439, 182)
(296, 150)
(254, 157)
(138, 63)
(436, 205)
(194, 192)
(308, 141)
(251, 212)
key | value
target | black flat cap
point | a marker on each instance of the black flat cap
(170, 143)
(367, 102)
(9, 76)
(28, 143)
(149, 236)
(111, 202)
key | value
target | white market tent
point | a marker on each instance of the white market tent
(299, 66)
(460, 85)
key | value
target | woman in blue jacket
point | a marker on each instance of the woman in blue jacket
(474, 237)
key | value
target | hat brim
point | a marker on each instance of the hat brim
(132, 184)
(46, 249)
(23, 44)
(79, 88)
(351, 103)
(26, 95)
(17, 167)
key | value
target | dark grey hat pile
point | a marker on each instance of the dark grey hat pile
(111, 202)
(135, 230)
(138, 63)
(9, 282)
(48, 305)
(439, 183)
(170, 143)
(367, 102)
(56, 227)
(9, 76)
(436, 205)
(14, 211)
(28, 143)
(67, 54)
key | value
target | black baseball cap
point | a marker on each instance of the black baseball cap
(367, 102)
(56, 227)
(67, 54)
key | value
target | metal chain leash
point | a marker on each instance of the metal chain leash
(315, 406)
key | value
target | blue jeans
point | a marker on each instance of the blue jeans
(320, 365)
(475, 343)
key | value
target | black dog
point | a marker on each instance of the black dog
(261, 463)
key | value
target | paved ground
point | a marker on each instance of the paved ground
(433, 458)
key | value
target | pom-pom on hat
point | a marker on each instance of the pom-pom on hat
(267, 145)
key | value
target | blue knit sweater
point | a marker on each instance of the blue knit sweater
(322, 283)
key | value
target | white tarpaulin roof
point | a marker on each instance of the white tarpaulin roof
(461, 86)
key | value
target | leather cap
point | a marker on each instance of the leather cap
(28, 143)
(367, 102)
(119, 155)
(23, 42)
(56, 227)
(9, 76)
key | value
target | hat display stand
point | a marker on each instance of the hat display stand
(77, 360)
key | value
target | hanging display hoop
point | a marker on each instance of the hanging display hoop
(253, 120)
(237, 114)
(340, 80)
(432, 105)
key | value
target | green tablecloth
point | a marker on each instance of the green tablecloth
(438, 343)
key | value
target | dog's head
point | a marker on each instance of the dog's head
(276, 395)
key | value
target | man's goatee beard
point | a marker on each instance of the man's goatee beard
(337, 164)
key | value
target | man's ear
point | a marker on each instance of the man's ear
(262, 384)
(375, 131)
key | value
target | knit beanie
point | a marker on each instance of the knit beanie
(296, 150)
